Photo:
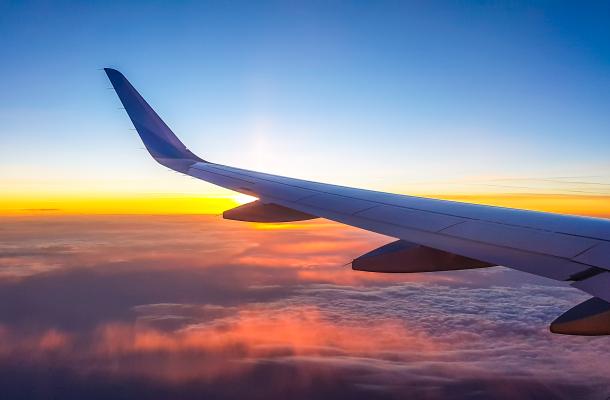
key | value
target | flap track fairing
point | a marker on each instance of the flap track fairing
(589, 318)
(257, 211)
(404, 257)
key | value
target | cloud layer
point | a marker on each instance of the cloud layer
(187, 307)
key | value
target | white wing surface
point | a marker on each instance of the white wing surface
(432, 234)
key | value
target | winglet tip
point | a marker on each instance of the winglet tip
(111, 71)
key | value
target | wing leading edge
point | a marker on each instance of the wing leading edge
(561, 247)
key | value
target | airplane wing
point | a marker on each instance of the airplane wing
(432, 235)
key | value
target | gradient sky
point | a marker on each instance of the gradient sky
(505, 104)
(424, 97)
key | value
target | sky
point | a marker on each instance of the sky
(119, 278)
(439, 98)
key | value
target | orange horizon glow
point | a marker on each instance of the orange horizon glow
(585, 205)
(130, 205)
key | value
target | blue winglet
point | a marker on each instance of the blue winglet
(159, 140)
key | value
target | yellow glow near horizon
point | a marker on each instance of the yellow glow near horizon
(595, 206)
(117, 205)
(586, 205)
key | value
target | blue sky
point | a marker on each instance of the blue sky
(409, 97)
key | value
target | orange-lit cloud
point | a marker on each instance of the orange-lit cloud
(194, 305)
(250, 334)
